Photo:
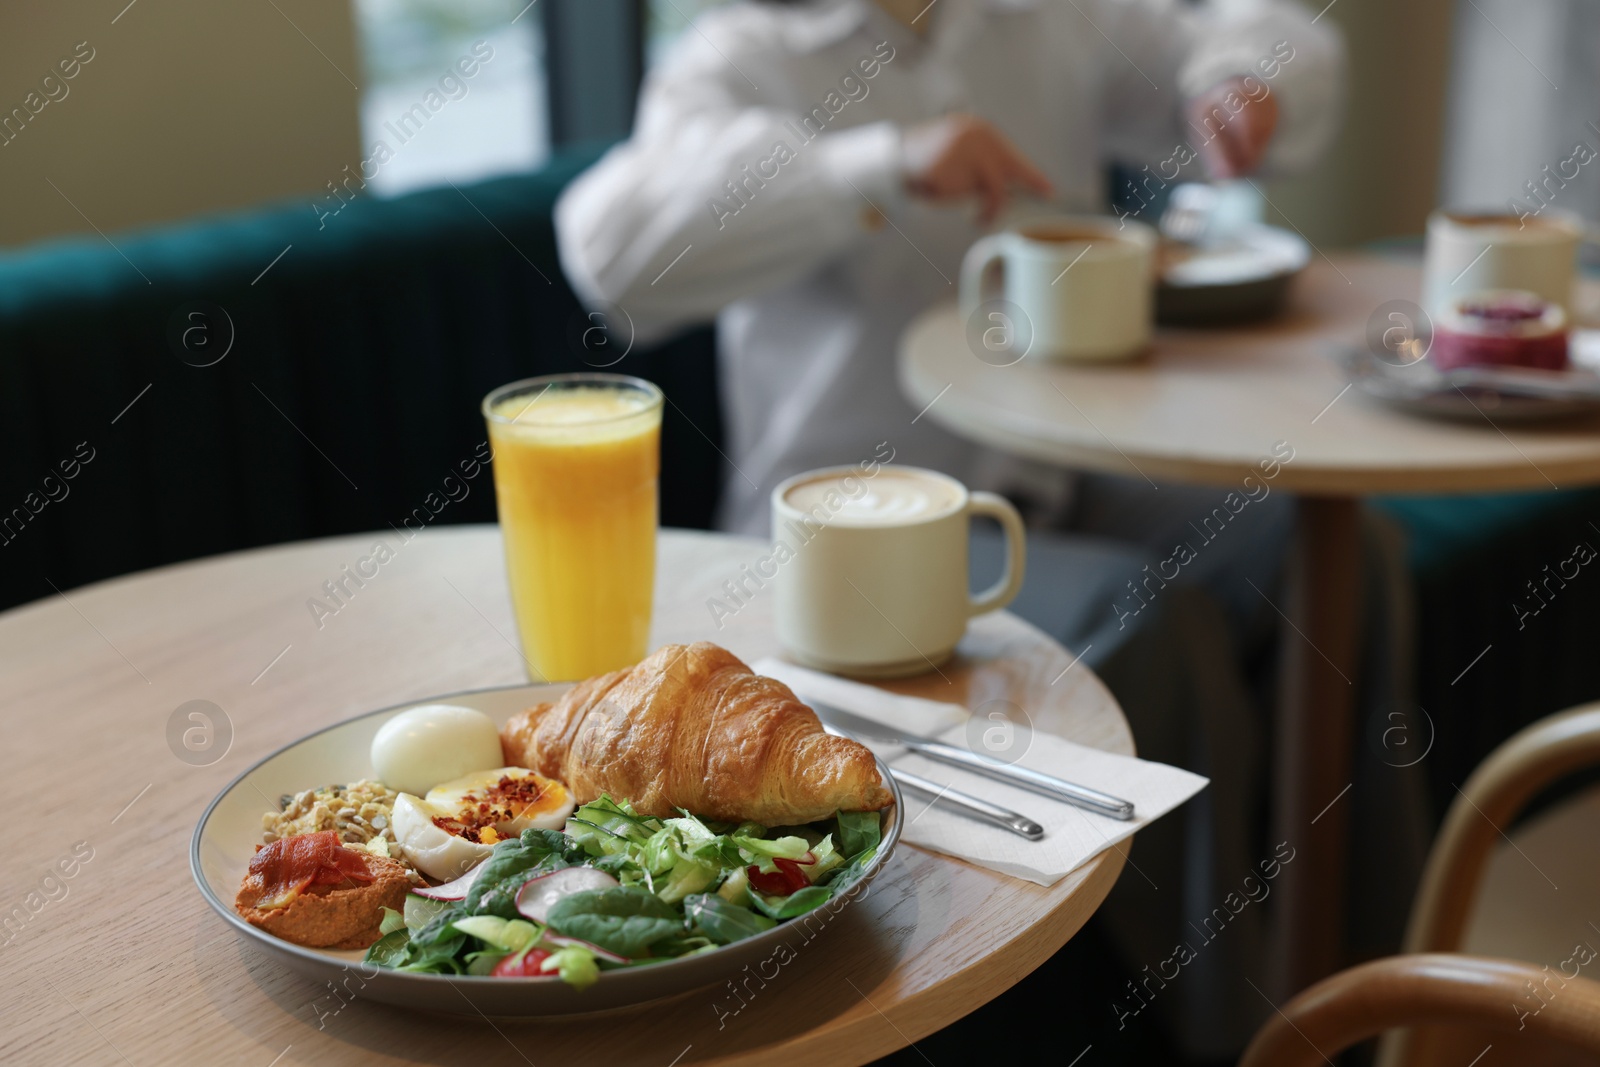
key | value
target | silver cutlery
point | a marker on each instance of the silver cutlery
(1004, 818)
(1022, 777)
(968, 804)
(1189, 211)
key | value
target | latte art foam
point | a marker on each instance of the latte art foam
(891, 498)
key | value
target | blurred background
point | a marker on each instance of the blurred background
(262, 259)
(195, 107)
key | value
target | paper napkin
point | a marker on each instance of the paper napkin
(1073, 836)
(911, 715)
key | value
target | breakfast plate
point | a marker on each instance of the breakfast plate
(229, 831)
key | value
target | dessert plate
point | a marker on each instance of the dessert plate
(1502, 394)
(230, 828)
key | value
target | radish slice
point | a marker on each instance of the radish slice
(599, 953)
(455, 889)
(540, 894)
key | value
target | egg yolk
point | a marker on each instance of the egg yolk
(480, 810)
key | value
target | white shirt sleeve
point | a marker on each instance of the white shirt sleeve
(1169, 54)
(716, 196)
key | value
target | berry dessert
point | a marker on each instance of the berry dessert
(1501, 328)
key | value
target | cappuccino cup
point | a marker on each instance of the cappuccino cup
(1082, 285)
(872, 573)
(1472, 251)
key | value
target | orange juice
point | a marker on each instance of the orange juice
(575, 463)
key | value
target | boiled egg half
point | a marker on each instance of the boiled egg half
(455, 827)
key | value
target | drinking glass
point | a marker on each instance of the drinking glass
(576, 458)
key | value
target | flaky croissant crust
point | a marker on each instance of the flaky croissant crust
(690, 726)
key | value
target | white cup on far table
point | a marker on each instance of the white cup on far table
(1082, 282)
(1471, 251)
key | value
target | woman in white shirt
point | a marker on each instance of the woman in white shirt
(810, 175)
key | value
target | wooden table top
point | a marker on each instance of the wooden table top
(122, 962)
(1205, 405)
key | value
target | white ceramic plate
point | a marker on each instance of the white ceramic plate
(230, 829)
(1475, 394)
(1243, 277)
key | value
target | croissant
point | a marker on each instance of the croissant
(692, 727)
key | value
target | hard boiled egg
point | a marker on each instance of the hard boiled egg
(457, 825)
(423, 746)
(509, 801)
(434, 850)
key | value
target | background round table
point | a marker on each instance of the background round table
(1205, 406)
(123, 962)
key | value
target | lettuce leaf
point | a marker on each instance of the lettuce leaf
(688, 876)
(576, 966)
(762, 852)
(601, 826)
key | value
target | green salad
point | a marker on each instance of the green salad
(618, 889)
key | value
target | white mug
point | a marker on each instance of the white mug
(1082, 284)
(872, 567)
(1471, 251)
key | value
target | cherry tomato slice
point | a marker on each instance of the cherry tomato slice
(524, 966)
(788, 878)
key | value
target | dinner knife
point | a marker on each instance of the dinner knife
(1022, 777)
(973, 806)
(1004, 818)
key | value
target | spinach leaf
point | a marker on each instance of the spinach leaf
(623, 919)
(721, 921)
(437, 958)
(842, 878)
(681, 943)
(511, 858)
(441, 926)
(390, 949)
(796, 903)
(858, 831)
(501, 898)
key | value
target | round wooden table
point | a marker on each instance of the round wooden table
(1206, 407)
(121, 961)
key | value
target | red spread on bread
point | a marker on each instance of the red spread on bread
(290, 864)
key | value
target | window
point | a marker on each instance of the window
(666, 20)
(439, 124)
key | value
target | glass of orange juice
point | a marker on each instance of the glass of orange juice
(576, 458)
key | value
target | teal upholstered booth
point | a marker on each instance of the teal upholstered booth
(1508, 619)
(361, 345)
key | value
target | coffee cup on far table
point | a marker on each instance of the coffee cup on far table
(872, 567)
(1471, 251)
(1081, 286)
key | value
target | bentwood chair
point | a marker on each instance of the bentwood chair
(1502, 951)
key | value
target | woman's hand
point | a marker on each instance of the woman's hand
(961, 156)
(1239, 129)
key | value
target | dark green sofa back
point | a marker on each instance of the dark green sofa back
(349, 393)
